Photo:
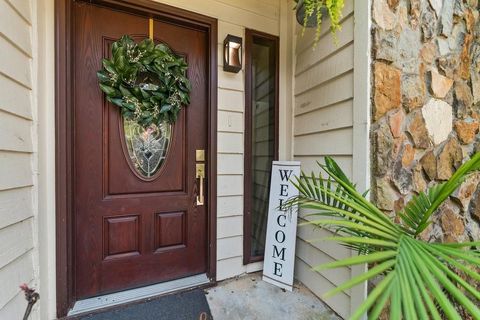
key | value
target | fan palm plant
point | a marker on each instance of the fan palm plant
(419, 279)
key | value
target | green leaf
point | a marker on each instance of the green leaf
(463, 255)
(462, 244)
(116, 101)
(162, 48)
(129, 106)
(120, 60)
(115, 47)
(377, 270)
(430, 280)
(345, 199)
(379, 289)
(457, 294)
(125, 91)
(137, 93)
(102, 77)
(373, 257)
(414, 273)
(109, 91)
(109, 66)
(358, 198)
(407, 270)
(396, 300)
(406, 288)
(146, 45)
(364, 240)
(453, 262)
(380, 304)
(145, 94)
(352, 226)
(447, 188)
(166, 108)
(361, 220)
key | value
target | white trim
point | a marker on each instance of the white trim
(113, 299)
(285, 94)
(254, 267)
(45, 79)
(361, 120)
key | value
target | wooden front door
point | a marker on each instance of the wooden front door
(132, 229)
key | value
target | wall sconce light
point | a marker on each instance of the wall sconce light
(232, 54)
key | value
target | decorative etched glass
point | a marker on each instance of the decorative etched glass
(147, 147)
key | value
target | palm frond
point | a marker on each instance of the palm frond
(419, 209)
(420, 280)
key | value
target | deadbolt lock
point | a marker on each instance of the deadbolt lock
(200, 155)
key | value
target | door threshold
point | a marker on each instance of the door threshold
(113, 299)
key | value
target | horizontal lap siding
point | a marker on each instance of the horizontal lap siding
(233, 17)
(15, 206)
(16, 157)
(260, 15)
(15, 133)
(12, 245)
(231, 105)
(318, 284)
(313, 257)
(250, 14)
(12, 275)
(323, 126)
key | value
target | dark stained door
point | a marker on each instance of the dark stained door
(132, 231)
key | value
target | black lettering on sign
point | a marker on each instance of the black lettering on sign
(277, 269)
(282, 235)
(278, 253)
(285, 174)
(284, 220)
(283, 190)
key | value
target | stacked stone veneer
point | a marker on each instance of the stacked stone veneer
(426, 106)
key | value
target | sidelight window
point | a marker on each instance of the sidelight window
(261, 136)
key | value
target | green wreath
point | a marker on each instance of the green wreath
(147, 81)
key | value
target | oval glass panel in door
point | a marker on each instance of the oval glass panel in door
(147, 147)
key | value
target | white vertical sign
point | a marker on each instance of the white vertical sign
(281, 227)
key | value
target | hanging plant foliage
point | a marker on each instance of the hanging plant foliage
(147, 81)
(310, 15)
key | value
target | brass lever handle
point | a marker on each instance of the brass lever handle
(200, 174)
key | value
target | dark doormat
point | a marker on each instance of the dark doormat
(190, 305)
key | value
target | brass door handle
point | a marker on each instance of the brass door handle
(200, 174)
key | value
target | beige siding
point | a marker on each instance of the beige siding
(17, 158)
(323, 126)
(259, 15)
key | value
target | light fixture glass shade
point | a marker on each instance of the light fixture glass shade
(232, 51)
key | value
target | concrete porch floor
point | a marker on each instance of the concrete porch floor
(250, 298)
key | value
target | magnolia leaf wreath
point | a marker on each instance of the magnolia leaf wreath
(147, 81)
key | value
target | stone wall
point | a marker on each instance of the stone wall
(426, 105)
